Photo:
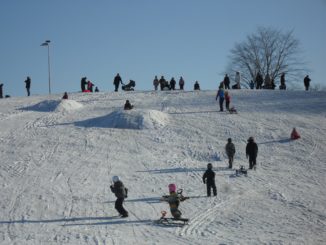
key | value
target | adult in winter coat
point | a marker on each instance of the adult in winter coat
(1, 90)
(155, 83)
(220, 94)
(181, 83)
(226, 81)
(83, 83)
(162, 83)
(230, 151)
(209, 180)
(306, 82)
(28, 82)
(251, 152)
(237, 80)
(117, 80)
(121, 192)
(282, 82)
(259, 81)
(172, 83)
(196, 86)
(267, 82)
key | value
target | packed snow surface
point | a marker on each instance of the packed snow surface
(58, 158)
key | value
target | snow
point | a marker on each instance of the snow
(58, 157)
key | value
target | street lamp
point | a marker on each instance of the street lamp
(47, 43)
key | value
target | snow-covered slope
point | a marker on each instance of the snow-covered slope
(58, 157)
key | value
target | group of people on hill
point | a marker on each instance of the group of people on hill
(174, 198)
(87, 86)
(163, 84)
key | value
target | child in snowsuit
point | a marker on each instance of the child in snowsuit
(220, 94)
(209, 180)
(128, 106)
(121, 193)
(174, 200)
(65, 96)
(227, 100)
(230, 151)
(251, 152)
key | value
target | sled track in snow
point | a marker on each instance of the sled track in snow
(200, 221)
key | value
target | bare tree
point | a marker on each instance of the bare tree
(267, 51)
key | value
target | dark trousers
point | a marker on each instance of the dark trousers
(116, 88)
(227, 105)
(209, 187)
(28, 92)
(252, 162)
(221, 103)
(119, 206)
(230, 161)
(181, 86)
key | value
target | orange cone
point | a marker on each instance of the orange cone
(295, 135)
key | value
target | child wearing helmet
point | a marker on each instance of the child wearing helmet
(209, 180)
(174, 200)
(121, 193)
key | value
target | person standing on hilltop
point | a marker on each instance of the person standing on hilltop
(306, 82)
(28, 85)
(117, 80)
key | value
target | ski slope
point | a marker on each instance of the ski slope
(58, 157)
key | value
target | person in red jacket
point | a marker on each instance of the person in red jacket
(227, 100)
(295, 135)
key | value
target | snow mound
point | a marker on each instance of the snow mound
(55, 105)
(68, 105)
(137, 119)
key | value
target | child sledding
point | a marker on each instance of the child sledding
(174, 198)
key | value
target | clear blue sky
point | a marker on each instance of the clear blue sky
(143, 38)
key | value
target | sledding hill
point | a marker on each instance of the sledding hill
(57, 160)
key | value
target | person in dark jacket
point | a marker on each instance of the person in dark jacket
(226, 81)
(181, 83)
(83, 83)
(172, 83)
(128, 106)
(28, 82)
(162, 83)
(1, 90)
(282, 82)
(121, 192)
(306, 82)
(155, 83)
(209, 180)
(196, 86)
(259, 81)
(251, 152)
(96, 89)
(117, 80)
(230, 151)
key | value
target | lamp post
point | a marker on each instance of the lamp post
(47, 43)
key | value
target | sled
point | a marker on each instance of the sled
(241, 171)
(171, 221)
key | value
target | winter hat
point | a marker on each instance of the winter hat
(209, 166)
(251, 139)
(229, 140)
(172, 187)
(115, 179)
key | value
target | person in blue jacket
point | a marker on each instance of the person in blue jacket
(220, 94)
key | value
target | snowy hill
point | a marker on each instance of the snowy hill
(58, 157)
